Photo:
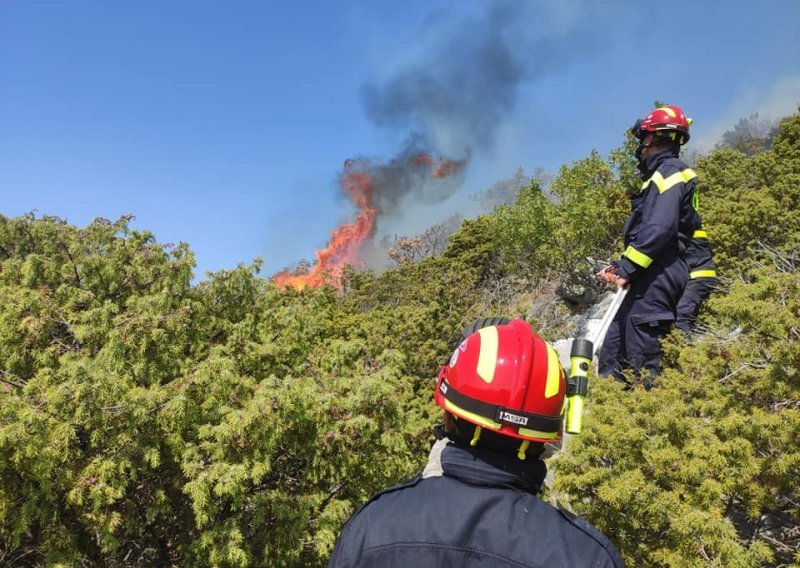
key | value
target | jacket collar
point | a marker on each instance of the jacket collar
(649, 165)
(488, 468)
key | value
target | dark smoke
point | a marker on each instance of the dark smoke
(406, 175)
(466, 82)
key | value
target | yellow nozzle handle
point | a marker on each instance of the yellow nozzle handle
(575, 414)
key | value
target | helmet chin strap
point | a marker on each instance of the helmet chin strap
(654, 141)
(640, 148)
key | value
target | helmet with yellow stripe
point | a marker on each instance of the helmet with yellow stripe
(667, 121)
(507, 380)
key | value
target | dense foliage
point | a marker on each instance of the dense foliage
(148, 421)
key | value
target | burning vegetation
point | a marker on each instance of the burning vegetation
(372, 188)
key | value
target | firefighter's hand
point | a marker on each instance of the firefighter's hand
(608, 274)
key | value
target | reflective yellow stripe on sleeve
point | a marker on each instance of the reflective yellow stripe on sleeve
(663, 184)
(703, 274)
(700, 234)
(638, 257)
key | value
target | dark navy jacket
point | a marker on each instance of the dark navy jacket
(662, 218)
(479, 510)
(698, 256)
(702, 280)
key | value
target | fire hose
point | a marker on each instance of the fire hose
(608, 317)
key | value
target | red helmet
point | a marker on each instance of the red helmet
(669, 121)
(505, 378)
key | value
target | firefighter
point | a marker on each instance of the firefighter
(702, 280)
(661, 222)
(475, 504)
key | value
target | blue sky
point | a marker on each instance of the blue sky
(226, 124)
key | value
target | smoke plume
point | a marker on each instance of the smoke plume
(448, 99)
(463, 84)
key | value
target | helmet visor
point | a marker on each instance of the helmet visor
(636, 129)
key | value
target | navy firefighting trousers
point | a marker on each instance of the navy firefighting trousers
(697, 290)
(643, 319)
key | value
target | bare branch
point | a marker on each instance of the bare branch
(9, 379)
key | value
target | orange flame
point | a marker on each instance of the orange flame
(445, 168)
(346, 240)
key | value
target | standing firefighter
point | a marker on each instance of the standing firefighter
(702, 280)
(503, 394)
(662, 220)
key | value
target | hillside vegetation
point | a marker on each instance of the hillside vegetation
(148, 421)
